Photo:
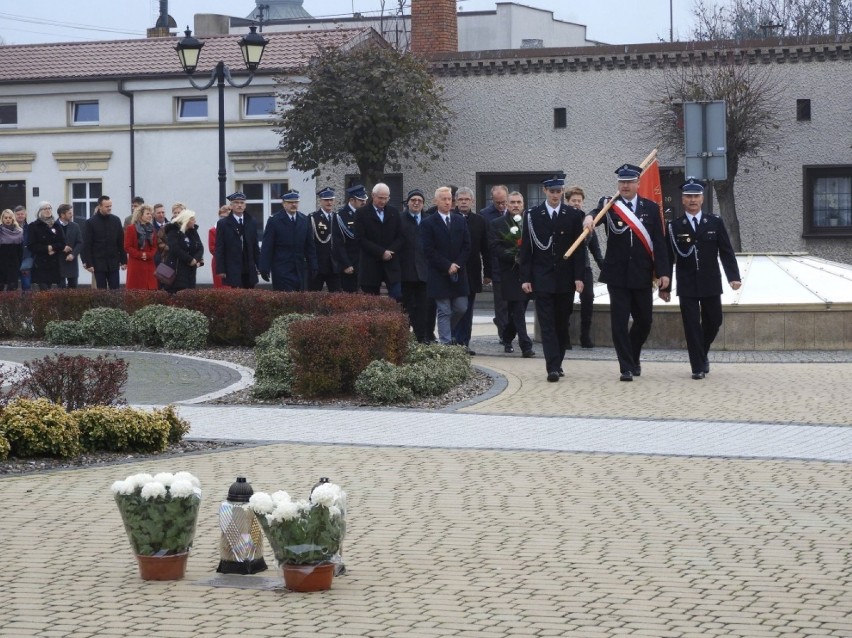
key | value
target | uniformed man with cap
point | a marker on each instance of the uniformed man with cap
(344, 241)
(237, 250)
(635, 256)
(697, 242)
(322, 222)
(288, 252)
(549, 229)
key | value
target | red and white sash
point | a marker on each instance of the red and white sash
(638, 228)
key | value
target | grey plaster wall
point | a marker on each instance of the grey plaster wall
(504, 123)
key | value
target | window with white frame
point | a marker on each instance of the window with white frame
(828, 201)
(8, 114)
(263, 199)
(84, 198)
(85, 113)
(192, 108)
(258, 106)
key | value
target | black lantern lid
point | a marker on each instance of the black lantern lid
(241, 491)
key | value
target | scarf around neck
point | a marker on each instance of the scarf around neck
(11, 235)
(144, 234)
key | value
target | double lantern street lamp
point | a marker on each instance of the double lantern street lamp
(189, 50)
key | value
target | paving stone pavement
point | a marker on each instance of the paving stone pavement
(476, 521)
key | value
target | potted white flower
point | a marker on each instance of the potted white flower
(159, 513)
(305, 535)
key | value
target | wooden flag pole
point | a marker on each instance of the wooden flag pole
(645, 163)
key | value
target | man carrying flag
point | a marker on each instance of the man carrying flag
(635, 256)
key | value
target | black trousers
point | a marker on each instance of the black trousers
(330, 280)
(554, 312)
(501, 311)
(107, 279)
(349, 283)
(623, 304)
(702, 318)
(68, 282)
(587, 301)
(517, 326)
(416, 304)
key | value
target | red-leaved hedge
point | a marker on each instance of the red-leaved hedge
(330, 352)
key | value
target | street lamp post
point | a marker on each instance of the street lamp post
(189, 51)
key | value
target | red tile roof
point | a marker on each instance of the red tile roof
(111, 59)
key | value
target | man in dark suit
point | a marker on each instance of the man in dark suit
(446, 244)
(549, 230)
(635, 256)
(237, 250)
(495, 210)
(380, 239)
(478, 262)
(696, 244)
(415, 300)
(344, 241)
(103, 245)
(288, 252)
(69, 269)
(322, 222)
(505, 235)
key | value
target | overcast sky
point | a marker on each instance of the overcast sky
(33, 21)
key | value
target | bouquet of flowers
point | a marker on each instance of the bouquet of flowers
(303, 532)
(513, 237)
(159, 512)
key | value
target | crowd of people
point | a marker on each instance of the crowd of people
(433, 260)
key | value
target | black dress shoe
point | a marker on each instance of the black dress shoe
(586, 343)
(698, 376)
(706, 367)
(569, 346)
(626, 376)
(561, 372)
(471, 352)
(553, 377)
(528, 354)
(637, 371)
(507, 347)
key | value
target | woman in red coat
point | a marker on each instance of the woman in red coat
(224, 211)
(140, 244)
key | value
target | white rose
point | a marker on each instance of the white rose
(517, 219)
(140, 479)
(514, 230)
(165, 478)
(123, 487)
(153, 490)
(181, 489)
(284, 511)
(186, 476)
(281, 497)
(261, 503)
(327, 494)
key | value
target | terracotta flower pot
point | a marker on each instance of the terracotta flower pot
(308, 577)
(162, 567)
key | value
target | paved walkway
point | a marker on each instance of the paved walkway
(589, 507)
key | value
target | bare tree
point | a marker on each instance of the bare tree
(752, 19)
(752, 97)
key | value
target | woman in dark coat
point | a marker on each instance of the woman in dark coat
(46, 242)
(11, 251)
(185, 250)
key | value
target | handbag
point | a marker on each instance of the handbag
(165, 274)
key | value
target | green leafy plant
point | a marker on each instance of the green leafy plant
(5, 448)
(303, 532)
(106, 327)
(122, 429)
(178, 427)
(380, 382)
(182, 329)
(274, 371)
(39, 428)
(64, 333)
(143, 324)
(159, 512)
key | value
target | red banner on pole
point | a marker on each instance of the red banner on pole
(650, 188)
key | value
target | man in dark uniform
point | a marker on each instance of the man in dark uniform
(415, 299)
(322, 222)
(696, 244)
(378, 232)
(549, 230)
(478, 262)
(288, 252)
(344, 241)
(237, 250)
(635, 256)
(505, 233)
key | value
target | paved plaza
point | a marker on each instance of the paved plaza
(589, 507)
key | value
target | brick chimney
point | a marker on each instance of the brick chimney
(434, 26)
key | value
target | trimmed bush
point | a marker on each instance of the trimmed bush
(16, 315)
(39, 428)
(116, 429)
(143, 324)
(64, 333)
(380, 383)
(106, 327)
(182, 329)
(274, 370)
(71, 303)
(4, 448)
(330, 352)
(75, 382)
(178, 427)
